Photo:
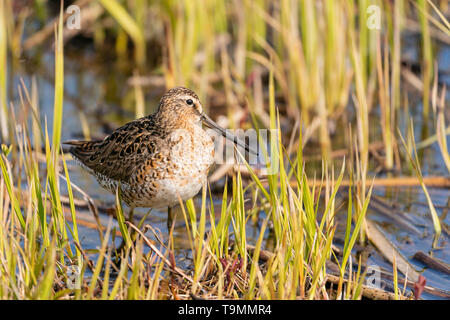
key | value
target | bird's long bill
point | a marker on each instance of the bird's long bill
(228, 135)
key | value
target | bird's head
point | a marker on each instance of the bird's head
(180, 107)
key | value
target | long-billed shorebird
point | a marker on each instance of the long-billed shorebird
(158, 159)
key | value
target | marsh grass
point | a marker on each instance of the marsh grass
(3, 74)
(302, 244)
(224, 265)
(414, 162)
(131, 27)
(318, 59)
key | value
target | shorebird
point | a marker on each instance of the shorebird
(158, 159)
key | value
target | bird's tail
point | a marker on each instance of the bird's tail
(75, 142)
(80, 149)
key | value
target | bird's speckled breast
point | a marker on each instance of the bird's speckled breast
(191, 153)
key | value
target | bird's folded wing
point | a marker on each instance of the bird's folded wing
(121, 153)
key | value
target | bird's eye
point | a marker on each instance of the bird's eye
(189, 102)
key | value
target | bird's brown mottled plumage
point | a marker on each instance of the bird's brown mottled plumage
(159, 159)
(123, 151)
(140, 156)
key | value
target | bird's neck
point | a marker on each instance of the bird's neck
(170, 122)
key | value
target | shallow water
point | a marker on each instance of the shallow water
(98, 88)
